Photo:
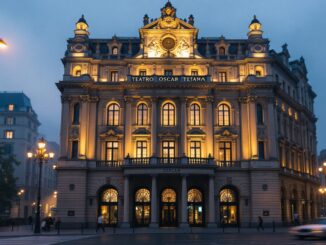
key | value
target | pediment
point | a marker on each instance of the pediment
(111, 132)
(168, 23)
(196, 131)
(142, 131)
(226, 132)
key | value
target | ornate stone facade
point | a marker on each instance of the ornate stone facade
(169, 129)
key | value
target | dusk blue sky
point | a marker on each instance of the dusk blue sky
(37, 30)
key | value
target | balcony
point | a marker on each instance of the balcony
(296, 173)
(108, 164)
(184, 79)
(228, 164)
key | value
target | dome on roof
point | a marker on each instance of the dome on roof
(255, 20)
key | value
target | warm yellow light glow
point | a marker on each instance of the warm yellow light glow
(3, 44)
(320, 169)
(29, 154)
(324, 164)
(51, 155)
(41, 143)
(54, 166)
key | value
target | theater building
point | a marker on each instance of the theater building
(169, 129)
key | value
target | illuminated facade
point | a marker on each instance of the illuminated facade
(169, 129)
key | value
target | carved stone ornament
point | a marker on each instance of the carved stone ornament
(74, 132)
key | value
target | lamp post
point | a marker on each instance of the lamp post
(20, 193)
(40, 156)
(3, 44)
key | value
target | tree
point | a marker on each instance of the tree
(8, 187)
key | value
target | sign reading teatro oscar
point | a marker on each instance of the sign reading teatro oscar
(169, 78)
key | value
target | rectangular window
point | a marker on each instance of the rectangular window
(74, 149)
(168, 72)
(9, 134)
(261, 150)
(168, 149)
(142, 73)
(11, 107)
(9, 121)
(194, 72)
(195, 149)
(222, 77)
(225, 151)
(114, 76)
(141, 149)
(111, 151)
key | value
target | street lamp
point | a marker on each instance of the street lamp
(3, 44)
(40, 156)
(20, 193)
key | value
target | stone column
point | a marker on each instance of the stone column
(253, 128)
(245, 133)
(126, 223)
(154, 202)
(91, 144)
(154, 127)
(211, 202)
(84, 116)
(209, 127)
(65, 122)
(272, 129)
(127, 125)
(184, 201)
(183, 125)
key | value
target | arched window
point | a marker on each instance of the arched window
(169, 195)
(75, 119)
(113, 114)
(221, 51)
(259, 114)
(115, 51)
(168, 205)
(108, 206)
(195, 114)
(142, 114)
(168, 114)
(229, 206)
(76, 72)
(195, 207)
(224, 115)
(142, 207)
(259, 71)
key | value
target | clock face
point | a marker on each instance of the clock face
(168, 43)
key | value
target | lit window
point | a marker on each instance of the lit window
(259, 71)
(222, 76)
(227, 195)
(115, 51)
(77, 71)
(74, 149)
(143, 195)
(142, 114)
(11, 107)
(261, 150)
(225, 148)
(260, 116)
(195, 195)
(9, 134)
(168, 149)
(195, 149)
(168, 114)
(111, 151)
(195, 114)
(110, 195)
(10, 121)
(114, 76)
(75, 120)
(141, 150)
(168, 72)
(194, 72)
(142, 73)
(224, 115)
(113, 115)
(169, 195)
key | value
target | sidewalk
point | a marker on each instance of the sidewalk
(23, 231)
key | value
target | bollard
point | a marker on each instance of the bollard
(273, 226)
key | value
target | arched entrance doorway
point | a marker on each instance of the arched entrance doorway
(142, 207)
(229, 206)
(293, 204)
(168, 207)
(108, 206)
(195, 207)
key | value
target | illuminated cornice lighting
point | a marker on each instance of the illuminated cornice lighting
(3, 44)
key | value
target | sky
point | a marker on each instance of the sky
(36, 32)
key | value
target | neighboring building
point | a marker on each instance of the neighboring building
(322, 176)
(169, 129)
(19, 129)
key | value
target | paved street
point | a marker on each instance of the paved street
(251, 238)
